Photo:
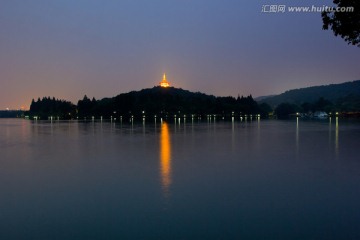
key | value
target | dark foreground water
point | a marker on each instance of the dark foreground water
(242, 180)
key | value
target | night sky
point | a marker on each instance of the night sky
(69, 48)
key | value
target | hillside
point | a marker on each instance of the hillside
(152, 101)
(333, 93)
(158, 100)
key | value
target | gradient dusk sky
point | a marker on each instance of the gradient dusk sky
(69, 48)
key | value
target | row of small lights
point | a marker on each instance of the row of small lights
(298, 114)
(155, 116)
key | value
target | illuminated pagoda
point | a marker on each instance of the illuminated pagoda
(164, 82)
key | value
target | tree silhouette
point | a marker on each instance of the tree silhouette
(47, 106)
(342, 23)
(283, 110)
(158, 101)
(86, 107)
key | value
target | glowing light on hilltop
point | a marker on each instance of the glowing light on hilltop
(164, 82)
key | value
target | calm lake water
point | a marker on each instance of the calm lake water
(243, 180)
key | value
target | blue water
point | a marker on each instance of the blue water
(254, 179)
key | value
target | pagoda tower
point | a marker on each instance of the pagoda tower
(164, 82)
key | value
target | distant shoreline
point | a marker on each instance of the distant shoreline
(12, 113)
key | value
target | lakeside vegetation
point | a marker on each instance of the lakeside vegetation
(11, 113)
(342, 98)
(159, 101)
(333, 92)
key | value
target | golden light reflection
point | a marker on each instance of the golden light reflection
(165, 158)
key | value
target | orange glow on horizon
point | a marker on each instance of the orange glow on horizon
(165, 158)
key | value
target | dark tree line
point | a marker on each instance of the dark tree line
(350, 103)
(173, 101)
(11, 113)
(155, 101)
(47, 106)
(332, 93)
(169, 101)
(86, 107)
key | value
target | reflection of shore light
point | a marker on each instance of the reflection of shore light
(297, 134)
(336, 135)
(165, 158)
